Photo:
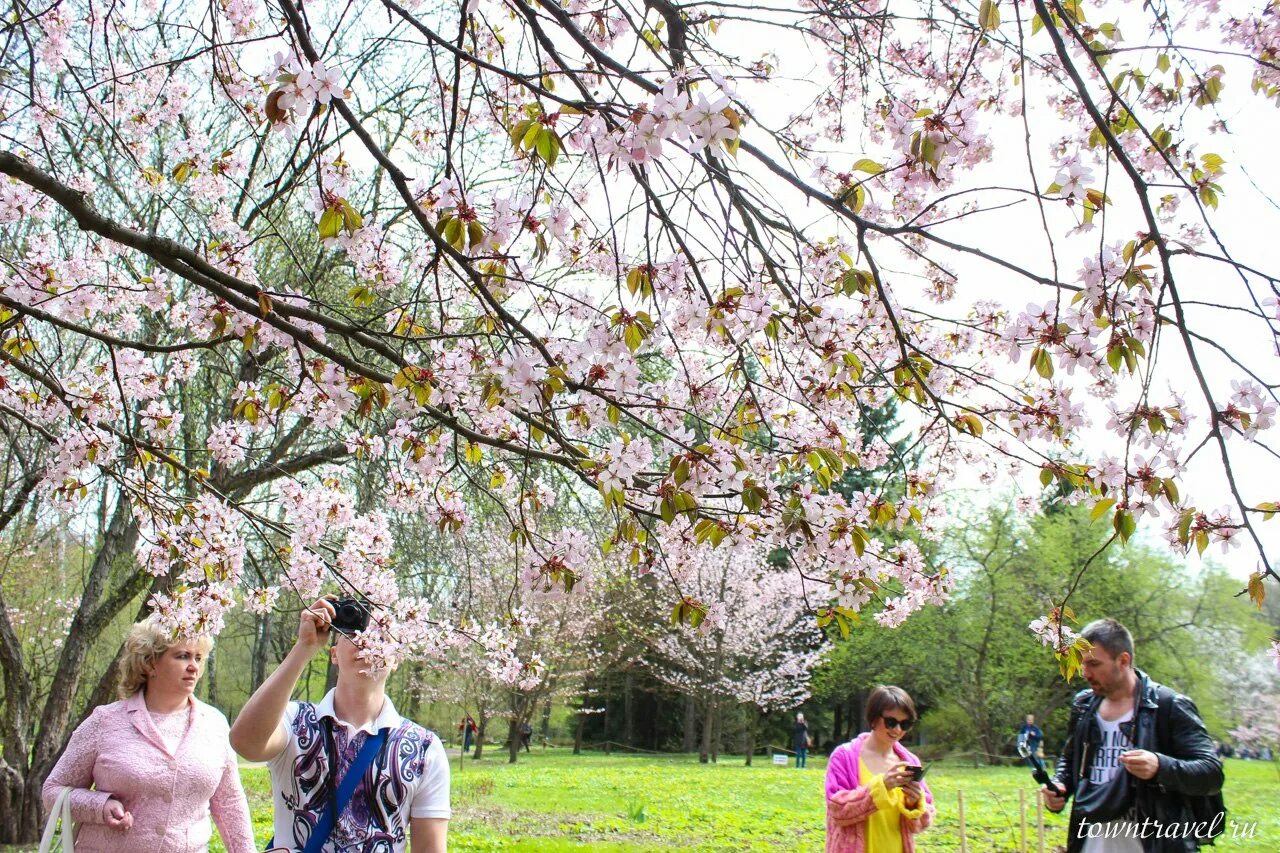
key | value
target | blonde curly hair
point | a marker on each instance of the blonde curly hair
(147, 642)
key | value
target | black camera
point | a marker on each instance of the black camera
(1037, 769)
(350, 615)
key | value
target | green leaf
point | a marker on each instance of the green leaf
(519, 130)
(668, 511)
(531, 136)
(1043, 362)
(351, 218)
(1124, 524)
(1257, 592)
(1101, 508)
(989, 15)
(330, 223)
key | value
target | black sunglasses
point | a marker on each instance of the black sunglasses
(891, 723)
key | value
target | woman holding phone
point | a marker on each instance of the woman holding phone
(877, 799)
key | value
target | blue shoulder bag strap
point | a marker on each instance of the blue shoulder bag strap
(347, 787)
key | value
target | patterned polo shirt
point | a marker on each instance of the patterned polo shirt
(409, 778)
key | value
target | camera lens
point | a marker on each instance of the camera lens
(350, 615)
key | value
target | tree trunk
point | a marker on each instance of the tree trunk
(857, 702)
(717, 733)
(513, 741)
(413, 698)
(481, 724)
(261, 650)
(628, 709)
(330, 674)
(577, 733)
(211, 671)
(690, 742)
(20, 803)
(25, 764)
(837, 728)
(750, 748)
(704, 752)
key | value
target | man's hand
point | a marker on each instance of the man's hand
(1053, 801)
(314, 625)
(1140, 763)
(117, 816)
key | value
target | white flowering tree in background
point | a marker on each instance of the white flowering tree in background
(1256, 691)
(750, 640)
(524, 643)
(663, 254)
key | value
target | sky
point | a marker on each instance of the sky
(1247, 220)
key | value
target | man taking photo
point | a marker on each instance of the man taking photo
(400, 795)
(1136, 760)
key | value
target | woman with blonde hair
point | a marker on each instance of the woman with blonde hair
(147, 772)
(877, 799)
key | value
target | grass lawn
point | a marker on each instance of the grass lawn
(554, 801)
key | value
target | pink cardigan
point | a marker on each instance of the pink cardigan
(849, 804)
(118, 753)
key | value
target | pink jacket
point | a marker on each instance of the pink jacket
(849, 804)
(118, 753)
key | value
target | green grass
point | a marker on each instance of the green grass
(553, 801)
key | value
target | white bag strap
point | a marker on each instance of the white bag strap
(59, 814)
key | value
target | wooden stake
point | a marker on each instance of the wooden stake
(1040, 818)
(1022, 818)
(964, 844)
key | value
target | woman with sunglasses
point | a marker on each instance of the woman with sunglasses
(875, 801)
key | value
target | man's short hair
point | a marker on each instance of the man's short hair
(1111, 635)
(886, 698)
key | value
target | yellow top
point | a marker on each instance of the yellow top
(884, 825)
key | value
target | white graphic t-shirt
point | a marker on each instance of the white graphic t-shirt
(1117, 836)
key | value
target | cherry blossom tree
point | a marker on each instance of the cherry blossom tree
(1256, 695)
(663, 254)
(534, 643)
(749, 639)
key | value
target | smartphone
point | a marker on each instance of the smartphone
(917, 772)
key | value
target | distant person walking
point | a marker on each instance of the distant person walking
(468, 730)
(526, 735)
(877, 799)
(1031, 737)
(801, 741)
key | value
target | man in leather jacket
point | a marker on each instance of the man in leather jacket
(1129, 789)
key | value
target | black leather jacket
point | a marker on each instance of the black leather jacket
(1188, 763)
